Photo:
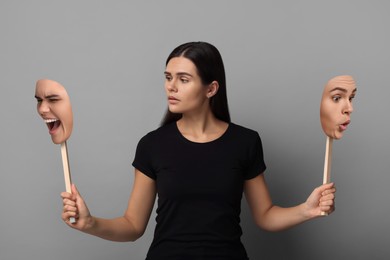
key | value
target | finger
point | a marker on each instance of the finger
(330, 196)
(329, 202)
(327, 186)
(328, 209)
(328, 191)
(69, 208)
(75, 190)
(67, 215)
(66, 195)
(69, 203)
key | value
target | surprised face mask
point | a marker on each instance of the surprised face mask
(336, 105)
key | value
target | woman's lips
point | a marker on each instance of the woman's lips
(172, 100)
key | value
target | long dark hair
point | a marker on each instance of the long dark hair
(209, 64)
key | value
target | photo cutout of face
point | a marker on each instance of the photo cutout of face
(55, 109)
(336, 105)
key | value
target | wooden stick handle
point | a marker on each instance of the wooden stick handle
(327, 163)
(328, 160)
(65, 165)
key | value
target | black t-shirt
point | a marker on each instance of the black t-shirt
(199, 187)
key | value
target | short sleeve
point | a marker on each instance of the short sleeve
(255, 159)
(143, 157)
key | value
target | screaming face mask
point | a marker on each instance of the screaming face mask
(55, 109)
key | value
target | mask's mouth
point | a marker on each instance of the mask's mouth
(52, 124)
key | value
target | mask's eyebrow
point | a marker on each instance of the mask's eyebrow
(342, 90)
(52, 96)
(338, 88)
(48, 96)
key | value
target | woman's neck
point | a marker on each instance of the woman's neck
(201, 128)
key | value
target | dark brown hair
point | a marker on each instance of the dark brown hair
(209, 65)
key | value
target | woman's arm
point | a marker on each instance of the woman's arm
(274, 218)
(128, 227)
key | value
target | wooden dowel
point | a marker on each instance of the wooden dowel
(65, 165)
(327, 163)
(328, 160)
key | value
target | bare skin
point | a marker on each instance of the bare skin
(336, 105)
(53, 105)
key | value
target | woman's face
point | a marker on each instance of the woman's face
(336, 105)
(185, 91)
(55, 109)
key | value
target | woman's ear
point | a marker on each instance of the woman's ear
(212, 89)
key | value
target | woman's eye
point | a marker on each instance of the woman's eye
(184, 80)
(168, 78)
(351, 98)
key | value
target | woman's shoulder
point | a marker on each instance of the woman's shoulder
(242, 130)
(160, 132)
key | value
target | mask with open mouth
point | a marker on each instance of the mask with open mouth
(336, 105)
(55, 109)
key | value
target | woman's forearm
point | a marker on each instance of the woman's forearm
(118, 229)
(277, 218)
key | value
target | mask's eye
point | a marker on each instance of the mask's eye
(53, 100)
(336, 98)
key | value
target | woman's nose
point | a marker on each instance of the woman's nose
(171, 86)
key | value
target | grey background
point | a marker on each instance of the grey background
(110, 56)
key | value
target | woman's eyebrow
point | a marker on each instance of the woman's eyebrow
(179, 74)
(184, 74)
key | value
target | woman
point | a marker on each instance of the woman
(199, 164)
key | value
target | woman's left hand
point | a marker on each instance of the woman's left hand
(321, 200)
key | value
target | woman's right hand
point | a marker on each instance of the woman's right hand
(74, 206)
